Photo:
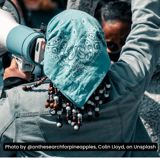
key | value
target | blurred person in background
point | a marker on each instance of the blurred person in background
(36, 12)
(116, 19)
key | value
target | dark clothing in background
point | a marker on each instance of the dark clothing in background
(36, 18)
(13, 82)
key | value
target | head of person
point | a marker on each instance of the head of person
(75, 58)
(116, 19)
(40, 4)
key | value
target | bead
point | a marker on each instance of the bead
(51, 105)
(72, 123)
(56, 98)
(47, 105)
(68, 108)
(27, 88)
(74, 111)
(24, 88)
(59, 125)
(56, 106)
(51, 100)
(36, 85)
(48, 100)
(97, 109)
(56, 101)
(82, 107)
(97, 98)
(32, 86)
(55, 90)
(59, 112)
(106, 95)
(52, 112)
(64, 105)
(89, 102)
(108, 86)
(50, 92)
(76, 127)
(101, 91)
(90, 113)
(69, 121)
(92, 103)
(50, 88)
(79, 115)
(51, 85)
(101, 102)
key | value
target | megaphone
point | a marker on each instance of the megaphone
(26, 44)
(21, 40)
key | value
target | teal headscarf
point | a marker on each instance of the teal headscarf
(75, 59)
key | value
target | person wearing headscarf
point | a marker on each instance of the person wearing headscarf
(85, 99)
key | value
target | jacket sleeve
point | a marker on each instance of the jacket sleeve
(140, 54)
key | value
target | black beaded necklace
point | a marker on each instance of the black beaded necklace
(59, 105)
